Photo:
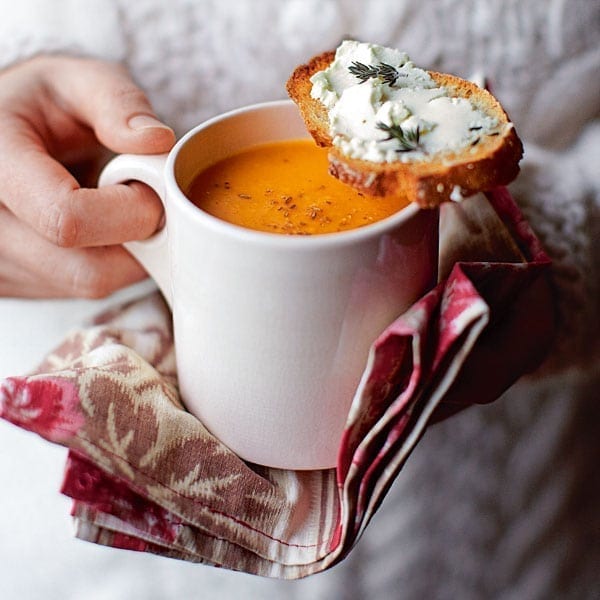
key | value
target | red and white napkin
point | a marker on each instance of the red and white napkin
(145, 475)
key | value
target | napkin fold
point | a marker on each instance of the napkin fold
(146, 475)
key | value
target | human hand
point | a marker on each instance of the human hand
(58, 116)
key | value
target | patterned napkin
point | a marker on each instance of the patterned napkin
(145, 475)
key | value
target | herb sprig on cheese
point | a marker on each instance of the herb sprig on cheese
(376, 95)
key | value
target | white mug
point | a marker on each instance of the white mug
(272, 332)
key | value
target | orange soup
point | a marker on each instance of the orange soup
(284, 187)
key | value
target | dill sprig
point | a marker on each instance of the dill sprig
(386, 72)
(407, 138)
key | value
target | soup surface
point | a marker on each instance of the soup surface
(284, 187)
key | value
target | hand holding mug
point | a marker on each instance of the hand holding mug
(59, 116)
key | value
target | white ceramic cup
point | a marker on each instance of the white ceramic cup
(272, 332)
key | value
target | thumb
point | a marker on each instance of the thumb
(103, 96)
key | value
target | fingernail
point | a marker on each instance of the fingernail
(139, 122)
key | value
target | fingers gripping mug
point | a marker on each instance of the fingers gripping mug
(272, 332)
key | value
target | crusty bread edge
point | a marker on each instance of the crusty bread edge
(313, 111)
(428, 183)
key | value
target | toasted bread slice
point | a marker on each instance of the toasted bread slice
(493, 161)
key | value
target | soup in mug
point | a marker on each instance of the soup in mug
(285, 187)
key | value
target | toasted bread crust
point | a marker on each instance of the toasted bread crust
(493, 162)
(313, 111)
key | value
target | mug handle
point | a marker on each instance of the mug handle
(152, 253)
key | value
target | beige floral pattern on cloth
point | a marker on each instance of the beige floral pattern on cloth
(145, 475)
